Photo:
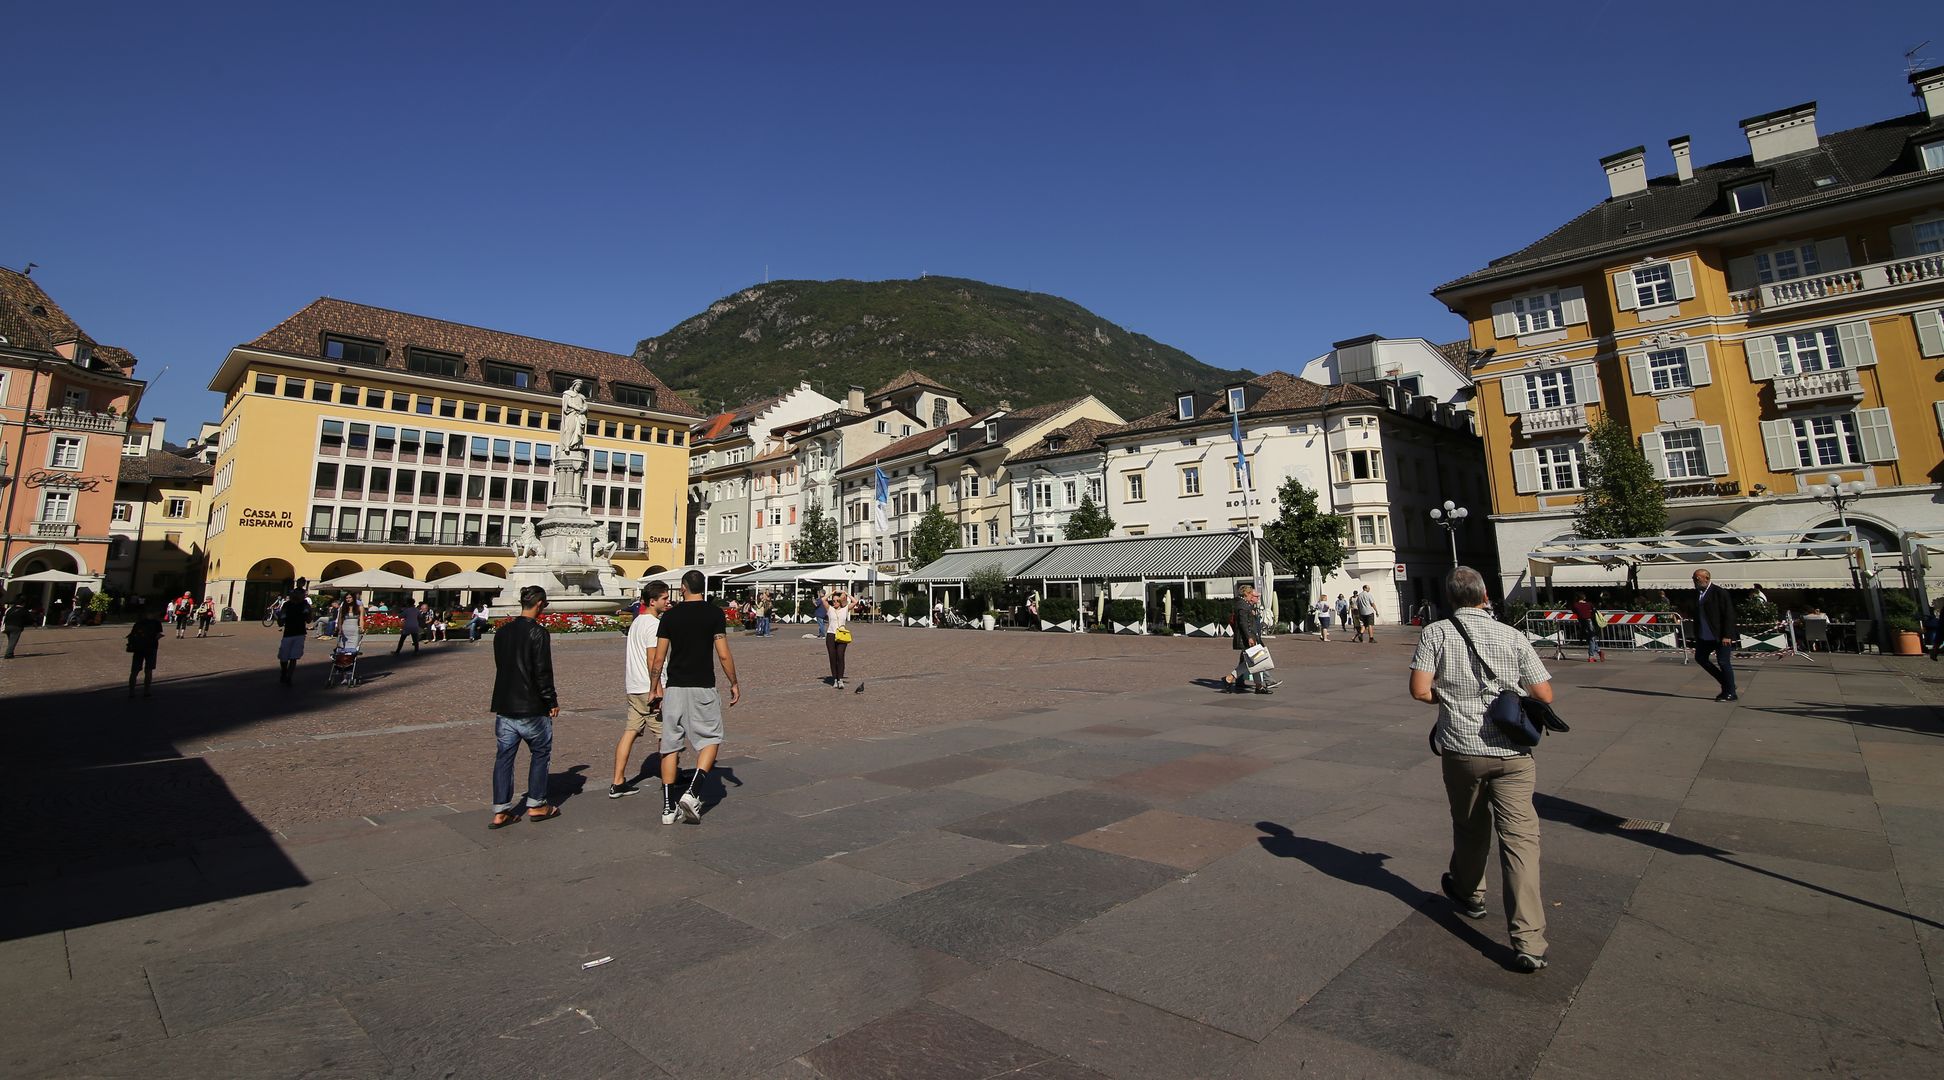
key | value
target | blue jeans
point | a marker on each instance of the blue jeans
(1592, 640)
(823, 624)
(537, 733)
(763, 626)
(1709, 654)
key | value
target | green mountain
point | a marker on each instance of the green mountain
(990, 343)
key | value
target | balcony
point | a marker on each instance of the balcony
(1818, 386)
(1879, 277)
(57, 530)
(405, 538)
(65, 419)
(1542, 421)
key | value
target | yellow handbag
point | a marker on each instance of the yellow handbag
(843, 635)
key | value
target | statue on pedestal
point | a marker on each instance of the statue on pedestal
(573, 419)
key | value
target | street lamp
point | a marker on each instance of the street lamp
(1449, 517)
(1842, 496)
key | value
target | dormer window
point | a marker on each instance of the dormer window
(992, 433)
(1056, 443)
(624, 394)
(1185, 407)
(434, 363)
(952, 442)
(351, 350)
(1932, 155)
(506, 374)
(1237, 400)
(1749, 197)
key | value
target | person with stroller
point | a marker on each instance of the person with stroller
(349, 643)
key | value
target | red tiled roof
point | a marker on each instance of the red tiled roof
(923, 440)
(1077, 437)
(303, 335)
(160, 464)
(1271, 392)
(30, 319)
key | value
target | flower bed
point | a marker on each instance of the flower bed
(563, 623)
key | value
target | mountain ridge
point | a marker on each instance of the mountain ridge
(990, 342)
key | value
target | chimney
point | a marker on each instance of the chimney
(156, 427)
(1784, 131)
(855, 400)
(1626, 172)
(1683, 158)
(1929, 85)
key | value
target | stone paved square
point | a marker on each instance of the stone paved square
(1017, 854)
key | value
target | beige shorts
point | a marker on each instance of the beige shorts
(642, 716)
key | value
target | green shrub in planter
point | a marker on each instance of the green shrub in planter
(806, 606)
(1059, 609)
(1125, 612)
(1205, 611)
(973, 607)
(892, 609)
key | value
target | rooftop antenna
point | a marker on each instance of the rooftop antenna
(1914, 63)
(29, 272)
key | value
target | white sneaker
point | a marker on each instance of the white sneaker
(690, 807)
(840, 684)
(669, 816)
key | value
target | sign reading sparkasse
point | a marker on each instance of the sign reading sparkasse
(252, 517)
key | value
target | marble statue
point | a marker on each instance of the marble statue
(573, 419)
(527, 544)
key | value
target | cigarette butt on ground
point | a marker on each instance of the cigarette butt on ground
(597, 963)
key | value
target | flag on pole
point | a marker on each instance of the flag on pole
(881, 504)
(1241, 455)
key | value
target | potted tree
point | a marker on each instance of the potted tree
(985, 583)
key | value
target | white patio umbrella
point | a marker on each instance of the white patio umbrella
(468, 580)
(375, 579)
(52, 577)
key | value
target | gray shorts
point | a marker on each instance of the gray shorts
(693, 713)
(292, 647)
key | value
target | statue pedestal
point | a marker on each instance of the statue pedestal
(566, 554)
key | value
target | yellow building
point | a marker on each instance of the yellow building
(1759, 324)
(358, 438)
(156, 539)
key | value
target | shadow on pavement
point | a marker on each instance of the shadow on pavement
(1366, 868)
(1633, 690)
(1579, 815)
(1917, 719)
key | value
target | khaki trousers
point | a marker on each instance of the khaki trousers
(1493, 795)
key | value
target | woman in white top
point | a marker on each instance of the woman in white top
(1321, 609)
(838, 608)
(350, 625)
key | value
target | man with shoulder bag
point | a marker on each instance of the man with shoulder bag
(1484, 735)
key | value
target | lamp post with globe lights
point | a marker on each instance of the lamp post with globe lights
(1449, 517)
(1841, 496)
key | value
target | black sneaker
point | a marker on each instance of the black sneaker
(617, 791)
(1527, 962)
(1469, 907)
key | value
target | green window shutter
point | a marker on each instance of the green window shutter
(1504, 323)
(1930, 332)
(1683, 270)
(1525, 471)
(1586, 384)
(1778, 441)
(1903, 241)
(1762, 362)
(1650, 445)
(1572, 303)
(1874, 432)
(1623, 290)
(1638, 374)
(1743, 273)
(1854, 339)
(1832, 254)
(1714, 451)
(1514, 387)
(1699, 374)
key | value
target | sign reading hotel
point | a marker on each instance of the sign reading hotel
(266, 519)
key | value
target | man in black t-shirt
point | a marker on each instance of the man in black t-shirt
(296, 618)
(692, 636)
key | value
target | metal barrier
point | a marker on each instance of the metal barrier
(1659, 631)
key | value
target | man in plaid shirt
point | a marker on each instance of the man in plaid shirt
(1488, 778)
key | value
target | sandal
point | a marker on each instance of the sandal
(497, 823)
(543, 813)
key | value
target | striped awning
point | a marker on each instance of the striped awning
(963, 563)
(1177, 555)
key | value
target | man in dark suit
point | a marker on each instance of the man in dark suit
(1714, 634)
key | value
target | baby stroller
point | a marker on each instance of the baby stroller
(344, 668)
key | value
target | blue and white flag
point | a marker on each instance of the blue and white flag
(881, 504)
(1241, 455)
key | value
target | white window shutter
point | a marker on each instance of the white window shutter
(1873, 431)
(1762, 362)
(1938, 408)
(1930, 332)
(1504, 323)
(1854, 339)
(1832, 254)
(1650, 445)
(1572, 303)
(1699, 374)
(1586, 384)
(1638, 373)
(1743, 273)
(1525, 471)
(1514, 387)
(1903, 241)
(1683, 279)
(1623, 290)
(1778, 440)
(1714, 452)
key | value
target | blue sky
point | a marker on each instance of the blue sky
(1247, 182)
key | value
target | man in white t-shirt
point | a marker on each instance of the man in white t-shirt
(1365, 607)
(644, 711)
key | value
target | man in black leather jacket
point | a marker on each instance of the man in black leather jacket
(524, 704)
